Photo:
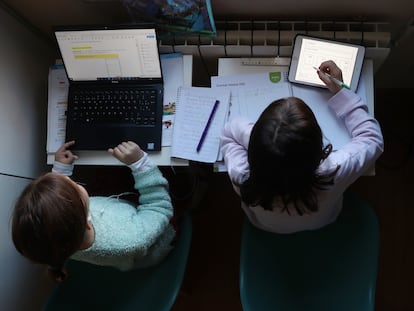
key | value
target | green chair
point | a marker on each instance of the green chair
(90, 287)
(330, 269)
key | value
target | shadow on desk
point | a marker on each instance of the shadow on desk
(187, 184)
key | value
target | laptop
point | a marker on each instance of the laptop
(115, 85)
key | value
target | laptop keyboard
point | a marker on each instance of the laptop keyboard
(114, 106)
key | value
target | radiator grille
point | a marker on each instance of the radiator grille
(275, 38)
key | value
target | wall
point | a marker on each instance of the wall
(24, 62)
(316, 9)
(397, 70)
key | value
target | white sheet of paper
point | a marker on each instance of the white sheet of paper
(57, 102)
(333, 128)
(252, 92)
(173, 74)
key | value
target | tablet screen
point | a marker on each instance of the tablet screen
(310, 52)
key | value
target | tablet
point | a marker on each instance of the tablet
(309, 52)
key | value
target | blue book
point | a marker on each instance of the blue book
(174, 17)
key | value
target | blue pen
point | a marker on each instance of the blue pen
(340, 83)
(210, 118)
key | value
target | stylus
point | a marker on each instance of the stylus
(340, 83)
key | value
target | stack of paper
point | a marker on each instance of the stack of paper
(251, 93)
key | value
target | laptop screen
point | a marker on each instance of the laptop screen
(109, 54)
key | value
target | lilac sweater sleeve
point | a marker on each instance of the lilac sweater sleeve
(366, 144)
(234, 143)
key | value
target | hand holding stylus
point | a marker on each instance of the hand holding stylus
(331, 75)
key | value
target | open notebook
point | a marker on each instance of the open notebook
(195, 105)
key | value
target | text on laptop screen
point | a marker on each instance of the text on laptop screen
(110, 54)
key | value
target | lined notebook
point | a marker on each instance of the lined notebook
(194, 106)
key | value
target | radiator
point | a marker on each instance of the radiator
(275, 39)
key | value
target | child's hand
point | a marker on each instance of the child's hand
(64, 155)
(332, 69)
(127, 152)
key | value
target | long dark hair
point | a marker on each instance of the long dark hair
(49, 222)
(285, 150)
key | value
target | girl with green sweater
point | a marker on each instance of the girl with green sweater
(54, 218)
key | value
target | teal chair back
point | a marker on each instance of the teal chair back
(90, 287)
(332, 269)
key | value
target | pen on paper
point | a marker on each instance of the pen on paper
(210, 118)
(340, 83)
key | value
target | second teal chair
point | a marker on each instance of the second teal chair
(90, 287)
(330, 269)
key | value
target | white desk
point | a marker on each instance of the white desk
(160, 158)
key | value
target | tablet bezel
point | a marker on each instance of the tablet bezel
(352, 82)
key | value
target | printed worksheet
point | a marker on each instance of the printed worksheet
(251, 93)
(57, 103)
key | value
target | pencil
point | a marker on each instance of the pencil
(340, 83)
(210, 118)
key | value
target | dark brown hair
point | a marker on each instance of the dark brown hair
(49, 222)
(285, 150)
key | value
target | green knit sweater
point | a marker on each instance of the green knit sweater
(129, 235)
